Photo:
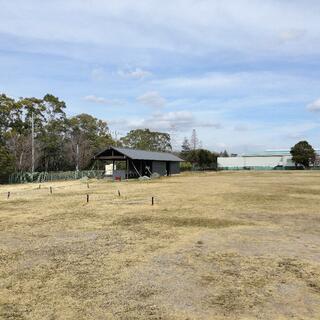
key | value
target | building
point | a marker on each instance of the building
(140, 162)
(267, 160)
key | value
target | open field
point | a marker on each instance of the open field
(227, 245)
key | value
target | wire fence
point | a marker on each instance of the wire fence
(25, 177)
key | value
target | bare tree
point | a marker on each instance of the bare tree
(194, 141)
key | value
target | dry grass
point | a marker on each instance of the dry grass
(228, 245)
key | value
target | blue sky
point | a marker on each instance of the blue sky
(243, 73)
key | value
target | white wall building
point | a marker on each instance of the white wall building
(268, 160)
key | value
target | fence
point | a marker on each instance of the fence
(266, 168)
(24, 177)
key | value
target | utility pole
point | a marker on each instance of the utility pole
(32, 141)
(77, 166)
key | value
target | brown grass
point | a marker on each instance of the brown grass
(227, 245)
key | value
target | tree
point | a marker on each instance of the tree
(144, 139)
(56, 137)
(10, 116)
(6, 164)
(185, 148)
(224, 154)
(202, 158)
(52, 138)
(13, 132)
(194, 141)
(303, 154)
(86, 136)
(18, 137)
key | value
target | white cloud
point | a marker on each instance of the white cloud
(172, 120)
(101, 100)
(152, 99)
(314, 106)
(177, 40)
(212, 80)
(180, 25)
(235, 80)
(98, 74)
(292, 35)
(175, 121)
(241, 127)
(137, 73)
(227, 91)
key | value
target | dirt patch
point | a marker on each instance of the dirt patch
(241, 245)
(211, 285)
(196, 222)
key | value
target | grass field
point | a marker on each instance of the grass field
(226, 245)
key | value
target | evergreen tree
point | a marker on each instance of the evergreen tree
(185, 147)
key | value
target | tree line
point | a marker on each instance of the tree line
(62, 143)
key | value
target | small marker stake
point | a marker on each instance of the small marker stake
(119, 194)
(51, 190)
(152, 201)
(39, 186)
(8, 195)
(87, 198)
(88, 185)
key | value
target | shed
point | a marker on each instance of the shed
(141, 162)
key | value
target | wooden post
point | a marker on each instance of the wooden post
(119, 194)
(88, 185)
(50, 190)
(39, 186)
(152, 201)
(8, 195)
(87, 198)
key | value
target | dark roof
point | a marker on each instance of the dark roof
(146, 155)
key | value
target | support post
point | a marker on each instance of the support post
(77, 155)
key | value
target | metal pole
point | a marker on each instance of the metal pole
(77, 166)
(32, 141)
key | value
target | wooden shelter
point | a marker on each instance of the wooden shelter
(140, 162)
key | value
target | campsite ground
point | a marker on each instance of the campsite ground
(226, 245)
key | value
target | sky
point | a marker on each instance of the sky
(244, 73)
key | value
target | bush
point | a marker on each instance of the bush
(186, 166)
